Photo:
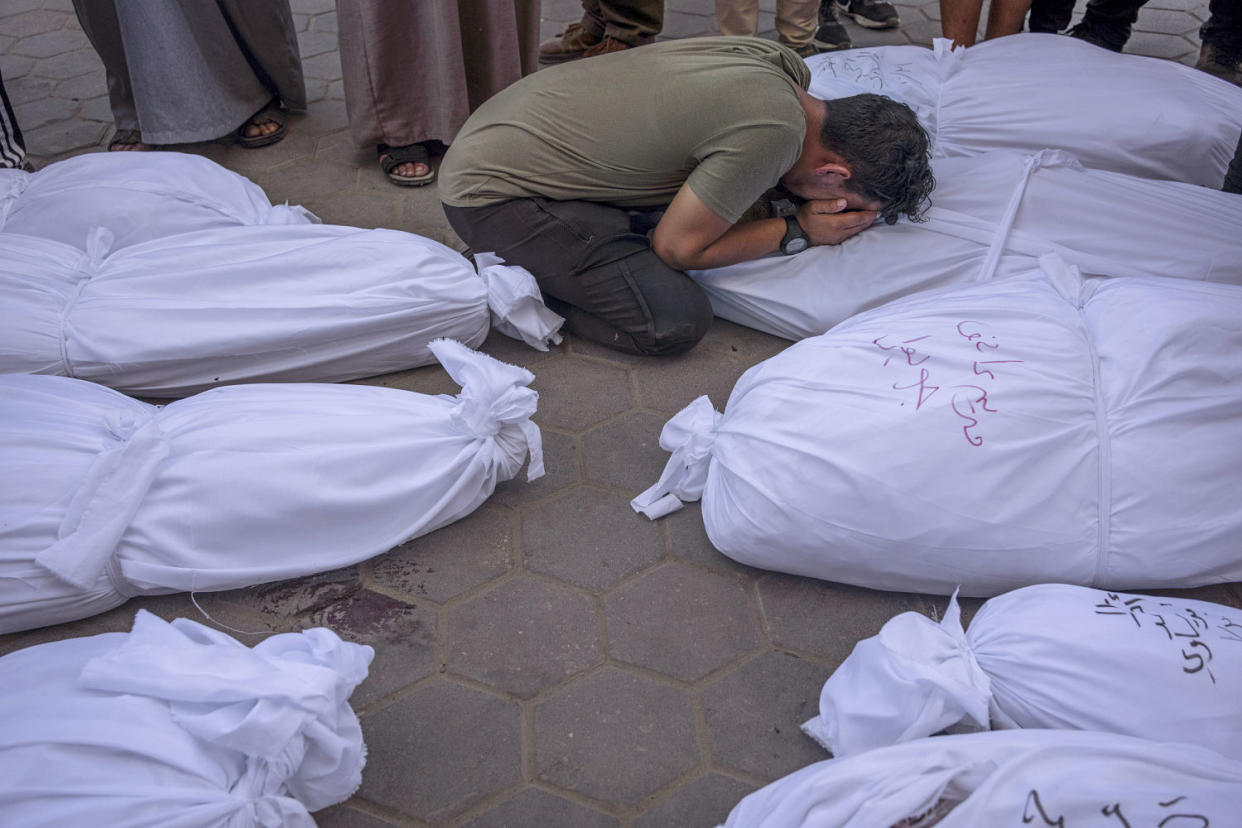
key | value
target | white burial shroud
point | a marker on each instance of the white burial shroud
(302, 303)
(1046, 656)
(1036, 429)
(105, 497)
(136, 196)
(1142, 116)
(992, 216)
(179, 726)
(1036, 778)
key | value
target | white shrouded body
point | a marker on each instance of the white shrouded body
(1020, 777)
(1028, 430)
(304, 303)
(1141, 116)
(105, 497)
(176, 725)
(1046, 656)
(992, 216)
(135, 196)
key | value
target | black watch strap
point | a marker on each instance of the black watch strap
(795, 239)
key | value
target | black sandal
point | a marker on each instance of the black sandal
(392, 157)
(269, 114)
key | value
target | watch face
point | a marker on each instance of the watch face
(795, 245)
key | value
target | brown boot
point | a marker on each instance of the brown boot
(1221, 62)
(570, 44)
(610, 44)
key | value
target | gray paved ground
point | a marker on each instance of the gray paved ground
(554, 659)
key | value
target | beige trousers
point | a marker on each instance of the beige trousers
(796, 20)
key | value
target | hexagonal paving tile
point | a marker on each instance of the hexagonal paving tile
(298, 596)
(446, 748)
(590, 538)
(626, 453)
(1166, 21)
(523, 636)
(680, 621)
(68, 64)
(534, 806)
(827, 619)
(671, 383)
(754, 714)
(615, 737)
(316, 43)
(342, 816)
(325, 66)
(560, 467)
(63, 136)
(575, 394)
(32, 22)
(1158, 45)
(90, 85)
(451, 560)
(48, 44)
(741, 343)
(44, 111)
(705, 801)
(688, 541)
(403, 637)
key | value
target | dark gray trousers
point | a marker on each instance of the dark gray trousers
(600, 273)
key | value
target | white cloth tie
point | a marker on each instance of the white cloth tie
(516, 303)
(690, 436)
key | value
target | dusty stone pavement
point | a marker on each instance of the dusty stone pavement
(554, 659)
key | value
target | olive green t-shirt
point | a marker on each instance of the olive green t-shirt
(629, 128)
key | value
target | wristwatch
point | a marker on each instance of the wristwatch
(795, 240)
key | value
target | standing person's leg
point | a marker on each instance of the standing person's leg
(830, 34)
(632, 22)
(401, 67)
(1222, 41)
(606, 26)
(12, 147)
(585, 255)
(738, 18)
(99, 22)
(796, 21)
(1005, 17)
(1107, 23)
(1050, 16)
(959, 20)
(871, 14)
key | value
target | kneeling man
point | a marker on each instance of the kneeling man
(548, 174)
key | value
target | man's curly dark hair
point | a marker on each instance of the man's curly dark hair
(887, 150)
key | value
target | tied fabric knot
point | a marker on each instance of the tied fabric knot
(495, 401)
(516, 304)
(913, 679)
(690, 436)
(284, 703)
(287, 213)
(102, 507)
